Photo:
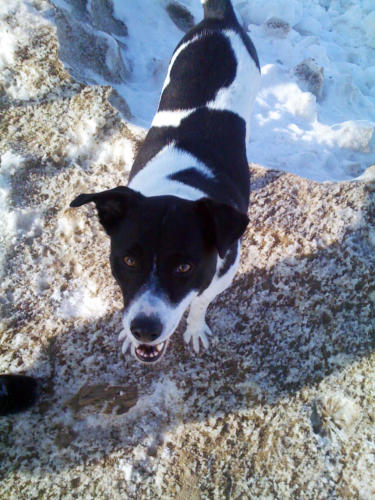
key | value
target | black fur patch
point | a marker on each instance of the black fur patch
(217, 25)
(199, 72)
(229, 260)
(193, 177)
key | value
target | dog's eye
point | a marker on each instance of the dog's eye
(130, 261)
(183, 268)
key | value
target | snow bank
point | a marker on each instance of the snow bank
(334, 40)
(258, 11)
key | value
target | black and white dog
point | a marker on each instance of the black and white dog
(175, 229)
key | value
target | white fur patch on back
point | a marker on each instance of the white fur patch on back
(239, 97)
(153, 179)
(170, 118)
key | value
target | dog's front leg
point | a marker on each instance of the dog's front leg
(197, 328)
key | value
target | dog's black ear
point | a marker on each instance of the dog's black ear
(224, 223)
(112, 205)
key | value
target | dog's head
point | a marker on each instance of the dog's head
(164, 253)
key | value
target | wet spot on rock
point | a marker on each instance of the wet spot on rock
(108, 399)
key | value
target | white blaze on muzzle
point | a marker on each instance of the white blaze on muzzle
(152, 302)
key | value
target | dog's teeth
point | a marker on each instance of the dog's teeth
(148, 353)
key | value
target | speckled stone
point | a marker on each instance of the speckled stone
(282, 403)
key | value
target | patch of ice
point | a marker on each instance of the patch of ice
(80, 303)
(338, 415)
(368, 175)
(9, 162)
(8, 42)
(13, 36)
(164, 395)
(91, 54)
(28, 222)
(355, 135)
(126, 468)
(120, 151)
(82, 139)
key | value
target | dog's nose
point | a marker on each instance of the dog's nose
(146, 328)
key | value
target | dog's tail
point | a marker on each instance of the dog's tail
(218, 9)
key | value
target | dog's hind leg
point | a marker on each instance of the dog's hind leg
(197, 330)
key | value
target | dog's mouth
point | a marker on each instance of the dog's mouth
(150, 353)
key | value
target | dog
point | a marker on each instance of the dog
(175, 229)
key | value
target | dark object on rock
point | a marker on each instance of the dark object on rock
(17, 393)
(182, 18)
(106, 399)
(277, 27)
(311, 76)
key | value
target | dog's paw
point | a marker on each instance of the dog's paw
(196, 335)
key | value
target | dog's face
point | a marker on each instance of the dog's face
(164, 253)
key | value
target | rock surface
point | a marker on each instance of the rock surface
(282, 403)
(311, 76)
(88, 56)
(277, 27)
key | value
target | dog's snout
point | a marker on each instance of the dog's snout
(146, 328)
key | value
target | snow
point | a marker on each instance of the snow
(80, 302)
(127, 469)
(9, 43)
(326, 134)
(258, 11)
(8, 218)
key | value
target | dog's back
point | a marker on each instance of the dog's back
(196, 145)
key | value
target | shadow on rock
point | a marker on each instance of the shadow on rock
(276, 332)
